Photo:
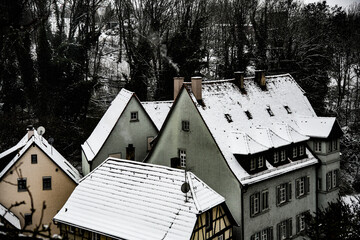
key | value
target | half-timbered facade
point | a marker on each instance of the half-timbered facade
(143, 201)
(245, 138)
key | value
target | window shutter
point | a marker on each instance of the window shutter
(278, 195)
(289, 191)
(297, 187)
(297, 223)
(251, 205)
(278, 231)
(307, 185)
(289, 227)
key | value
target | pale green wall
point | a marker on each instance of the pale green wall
(276, 214)
(126, 132)
(203, 156)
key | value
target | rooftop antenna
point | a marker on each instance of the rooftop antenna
(51, 141)
(41, 131)
(185, 187)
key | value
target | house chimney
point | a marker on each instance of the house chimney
(196, 85)
(178, 82)
(30, 130)
(239, 79)
(260, 78)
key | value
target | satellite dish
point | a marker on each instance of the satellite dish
(41, 130)
(185, 187)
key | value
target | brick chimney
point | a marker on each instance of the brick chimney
(196, 87)
(239, 79)
(30, 130)
(178, 82)
(260, 78)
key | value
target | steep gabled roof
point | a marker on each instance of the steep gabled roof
(158, 110)
(9, 217)
(319, 127)
(94, 143)
(50, 151)
(138, 201)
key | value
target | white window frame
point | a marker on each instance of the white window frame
(276, 157)
(295, 152)
(252, 164)
(282, 155)
(282, 194)
(301, 150)
(302, 224)
(264, 234)
(317, 146)
(182, 156)
(257, 236)
(301, 185)
(264, 200)
(283, 230)
(260, 161)
(134, 116)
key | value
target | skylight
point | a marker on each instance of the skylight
(228, 117)
(248, 114)
(269, 111)
(288, 109)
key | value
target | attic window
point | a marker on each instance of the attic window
(270, 111)
(134, 116)
(288, 109)
(228, 118)
(248, 114)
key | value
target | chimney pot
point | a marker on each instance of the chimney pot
(30, 130)
(196, 87)
(178, 82)
(239, 79)
(260, 78)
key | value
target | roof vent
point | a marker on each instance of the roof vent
(270, 111)
(228, 117)
(288, 109)
(248, 114)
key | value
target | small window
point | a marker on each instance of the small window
(28, 219)
(335, 144)
(283, 193)
(208, 220)
(252, 164)
(71, 229)
(95, 236)
(302, 186)
(46, 183)
(265, 234)
(228, 118)
(270, 111)
(248, 114)
(301, 150)
(33, 158)
(288, 109)
(182, 156)
(285, 229)
(260, 161)
(276, 157)
(255, 204)
(134, 116)
(317, 146)
(282, 155)
(22, 184)
(300, 223)
(185, 125)
(295, 152)
(330, 146)
(81, 232)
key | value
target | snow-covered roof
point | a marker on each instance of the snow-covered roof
(93, 144)
(50, 151)
(158, 111)
(235, 118)
(19, 145)
(132, 200)
(9, 217)
(318, 127)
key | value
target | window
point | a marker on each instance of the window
(259, 202)
(301, 150)
(288, 109)
(95, 236)
(302, 186)
(260, 161)
(282, 155)
(28, 219)
(21, 184)
(46, 183)
(335, 144)
(330, 146)
(71, 229)
(270, 111)
(182, 156)
(134, 116)
(317, 146)
(295, 153)
(81, 231)
(252, 164)
(130, 152)
(228, 118)
(300, 222)
(332, 180)
(208, 220)
(284, 229)
(283, 193)
(248, 114)
(185, 126)
(265, 234)
(276, 157)
(33, 158)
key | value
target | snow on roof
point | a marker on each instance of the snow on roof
(93, 144)
(132, 200)
(10, 217)
(225, 110)
(319, 127)
(19, 145)
(157, 111)
(50, 151)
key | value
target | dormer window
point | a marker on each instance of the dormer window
(301, 150)
(282, 155)
(295, 152)
(248, 114)
(288, 109)
(228, 118)
(260, 161)
(252, 164)
(270, 111)
(276, 157)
